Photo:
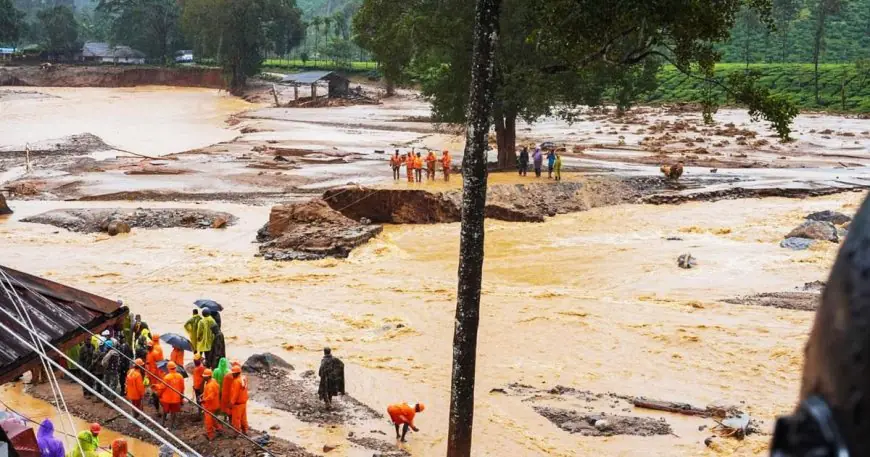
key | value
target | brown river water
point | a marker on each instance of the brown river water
(592, 300)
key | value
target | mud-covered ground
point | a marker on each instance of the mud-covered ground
(189, 426)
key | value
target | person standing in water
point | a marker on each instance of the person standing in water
(396, 164)
(402, 414)
(331, 377)
(409, 166)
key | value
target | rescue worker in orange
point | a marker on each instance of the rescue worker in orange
(119, 448)
(430, 166)
(170, 398)
(445, 165)
(177, 356)
(239, 399)
(151, 360)
(198, 370)
(211, 402)
(136, 385)
(418, 167)
(409, 166)
(395, 164)
(403, 414)
(155, 338)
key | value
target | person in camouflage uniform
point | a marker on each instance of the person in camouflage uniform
(86, 359)
(109, 364)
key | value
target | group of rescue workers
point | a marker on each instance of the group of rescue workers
(413, 163)
(219, 386)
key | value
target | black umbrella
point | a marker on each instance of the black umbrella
(180, 370)
(548, 145)
(177, 341)
(210, 305)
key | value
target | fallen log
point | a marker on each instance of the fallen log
(678, 408)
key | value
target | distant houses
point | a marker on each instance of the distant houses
(94, 51)
(184, 56)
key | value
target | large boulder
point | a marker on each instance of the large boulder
(4, 208)
(117, 227)
(311, 231)
(259, 363)
(815, 230)
(829, 216)
(396, 206)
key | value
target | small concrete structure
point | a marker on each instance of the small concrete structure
(338, 86)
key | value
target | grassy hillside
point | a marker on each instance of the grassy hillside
(794, 81)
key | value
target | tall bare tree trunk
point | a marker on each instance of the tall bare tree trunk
(505, 136)
(472, 232)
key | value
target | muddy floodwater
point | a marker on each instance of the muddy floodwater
(592, 301)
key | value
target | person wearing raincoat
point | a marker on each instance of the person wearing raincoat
(558, 167)
(88, 442)
(119, 448)
(191, 327)
(204, 333)
(218, 375)
(49, 446)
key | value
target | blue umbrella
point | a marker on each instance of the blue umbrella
(180, 370)
(177, 341)
(210, 305)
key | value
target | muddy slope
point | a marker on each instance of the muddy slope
(189, 426)
(530, 202)
(109, 76)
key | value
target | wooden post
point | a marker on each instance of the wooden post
(314, 91)
(275, 95)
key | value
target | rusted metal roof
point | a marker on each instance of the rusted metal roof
(57, 318)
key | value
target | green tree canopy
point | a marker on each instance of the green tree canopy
(386, 29)
(236, 32)
(10, 22)
(150, 26)
(60, 33)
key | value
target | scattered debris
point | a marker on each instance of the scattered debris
(603, 425)
(93, 220)
(4, 208)
(686, 261)
(736, 426)
(800, 301)
(265, 362)
(683, 408)
(672, 172)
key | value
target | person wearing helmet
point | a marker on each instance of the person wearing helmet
(151, 360)
(198, 378)
(119, 448)
(155, 339)
(170, 397)
(211, 402)
(88, 442)
(402, 414)
(136, 385)
(239, 399)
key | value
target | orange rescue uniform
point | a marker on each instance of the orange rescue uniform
(197, 378)
(409, 164)
(430, 163)
(445, 165)
(170, 400)
(177, 356)
(226, 391)
(211, 401)
(151, 365)
(239, 400)
(135, 387)
(158, 349)
(402, 414)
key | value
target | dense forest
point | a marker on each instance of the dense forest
(842, 27)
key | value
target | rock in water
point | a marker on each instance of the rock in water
(796, 244)
(311, 231)
(117, 227)
(815, 230)
(829, 216)
(686, 261)
(601, 425)
(264, 362)
(4, 209)
(219, 222)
